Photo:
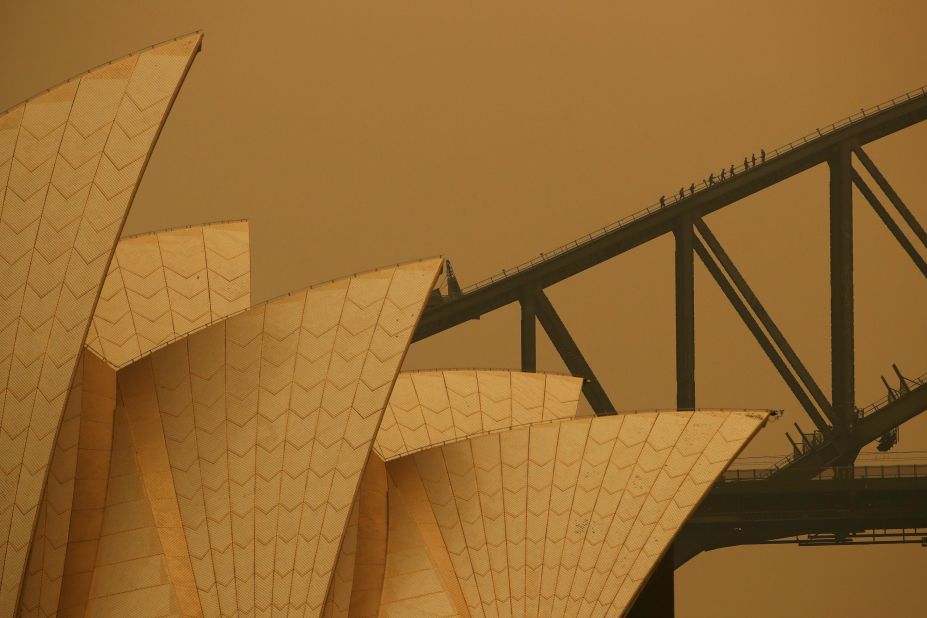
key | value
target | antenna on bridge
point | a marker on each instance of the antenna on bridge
(453, 288)
(890, 438)
(903, 388)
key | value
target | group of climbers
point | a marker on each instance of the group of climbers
(725, 174)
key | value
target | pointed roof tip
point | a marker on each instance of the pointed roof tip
(141, 87)
(195, 38)
(97, 347)
(424, 259)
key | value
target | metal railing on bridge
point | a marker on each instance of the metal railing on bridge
(909, 383)
(898, 471)
(676, 198)
(815, 439)
(897, 536)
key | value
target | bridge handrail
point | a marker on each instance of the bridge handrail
(876, 405)
(895, 471)
(673, 198)
(817, 437)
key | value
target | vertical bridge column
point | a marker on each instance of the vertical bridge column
(529, 360)
(657, 598)
(841, 288)
(685, 317)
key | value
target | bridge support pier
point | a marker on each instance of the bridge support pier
(841, 288)
(657, 598)
(685, 317)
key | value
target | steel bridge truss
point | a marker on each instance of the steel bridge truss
(841, 429)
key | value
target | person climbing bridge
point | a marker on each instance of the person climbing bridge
(753, 160)
(746, 163)
(732, 170)
(682, 192)
(762, 156)
(722, 173)
(662, 201)
(692, 189)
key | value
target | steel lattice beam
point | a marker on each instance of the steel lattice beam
(727, 264)
(572, 357)
(892, 195)
(771, 353)
(890, 223)
(488, 298)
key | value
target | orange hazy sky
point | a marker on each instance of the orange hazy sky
(354, 135)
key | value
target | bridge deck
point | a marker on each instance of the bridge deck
(654, 221)
(839, 501)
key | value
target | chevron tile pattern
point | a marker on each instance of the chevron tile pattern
(165, 285)
(49, 542)
(432, 407)
(358, 577)
(414, 582)
(203, 458)
(91, 474)
(139, 404)
(130, 571)
(338, 602)
(569, 518)
(70, 161)
(268, 418)
(372, 530)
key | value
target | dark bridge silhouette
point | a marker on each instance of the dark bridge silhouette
(816, 492)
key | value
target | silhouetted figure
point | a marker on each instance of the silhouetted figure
(662, 201)
(746, 163)
(753, 160)
(682, 193)
(722, 173)
(762, 156)
(732, 170)
(711, 179)
(692, 189)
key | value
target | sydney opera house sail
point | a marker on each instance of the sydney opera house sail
(565, 518)
(164, 285)
(184, 278)
(70, 162)
(531, 512)
(169, 448)
(267, 420)
(431, 407)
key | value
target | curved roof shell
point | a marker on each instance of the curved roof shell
(167, 284)
(432, 407)
(563, 518)
(70, 162)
